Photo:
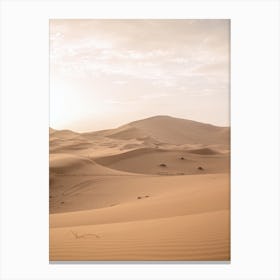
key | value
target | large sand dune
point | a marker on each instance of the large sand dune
(171, 130)
(155, 189)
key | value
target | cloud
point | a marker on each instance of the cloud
(178, 55)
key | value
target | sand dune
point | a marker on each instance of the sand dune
(67, 164)
(63, 134)
(146, 197)
(167, 162)
(176, 131)
(154, 189)
(70, 176)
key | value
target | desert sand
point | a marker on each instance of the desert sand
(154, 189)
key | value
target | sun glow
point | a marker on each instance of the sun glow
(67, 105)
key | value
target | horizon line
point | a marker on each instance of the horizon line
(154, 116)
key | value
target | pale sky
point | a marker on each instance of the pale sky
(105, 73)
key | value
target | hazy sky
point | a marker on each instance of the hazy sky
(105, 73)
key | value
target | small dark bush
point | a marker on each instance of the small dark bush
(163, 165)
(139, 197)
(200, 168)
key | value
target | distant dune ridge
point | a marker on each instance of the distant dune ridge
(153, 189)
(171, 130)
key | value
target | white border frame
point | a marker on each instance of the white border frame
(254, 123)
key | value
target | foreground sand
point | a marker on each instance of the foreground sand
(203, 236)
(109, 203)
(183, 218)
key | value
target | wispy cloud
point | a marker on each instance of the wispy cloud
(192, 49)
